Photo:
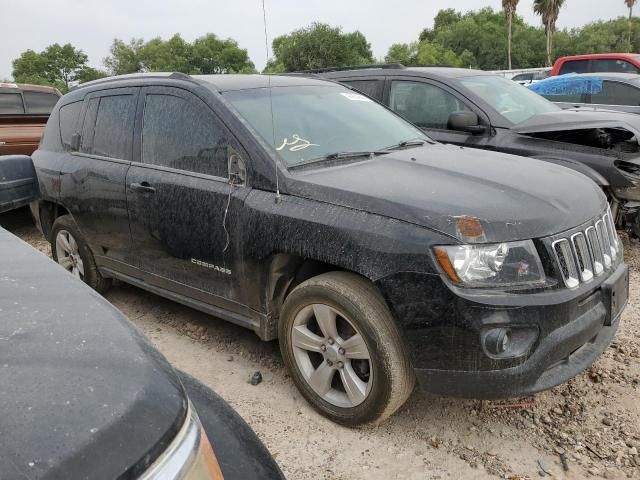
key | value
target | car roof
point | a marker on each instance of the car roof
(220, 82)
(589, 56)
(433, 72)
(27, 87)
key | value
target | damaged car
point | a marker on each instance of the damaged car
(305, 211)
(483, 110)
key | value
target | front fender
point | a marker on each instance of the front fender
(579, 167)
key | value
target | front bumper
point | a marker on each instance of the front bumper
(560, 353)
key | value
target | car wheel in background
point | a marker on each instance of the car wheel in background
(341, 345)
(70, 250)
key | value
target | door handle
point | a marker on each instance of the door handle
(144, 187)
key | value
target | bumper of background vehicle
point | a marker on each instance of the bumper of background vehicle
(559, 356)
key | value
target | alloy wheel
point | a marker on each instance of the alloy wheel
(68, 254)
(332, 355)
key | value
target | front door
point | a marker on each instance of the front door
(428, 106)
(182, 207)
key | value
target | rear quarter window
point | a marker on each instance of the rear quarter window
(11, 103)
(371, 88)
(68, 118)
(40, 102)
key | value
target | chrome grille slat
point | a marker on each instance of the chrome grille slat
(587, 253)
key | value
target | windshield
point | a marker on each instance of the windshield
(312, 122)
(510, 99)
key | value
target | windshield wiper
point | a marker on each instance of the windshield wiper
(338, 156)
(407, 144)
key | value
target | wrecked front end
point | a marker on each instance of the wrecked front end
(608, 142)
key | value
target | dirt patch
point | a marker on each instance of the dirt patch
(589, 427)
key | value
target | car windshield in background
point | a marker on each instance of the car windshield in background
(313, 122)
(508, 98)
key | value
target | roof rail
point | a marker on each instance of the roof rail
(172, 75)
(353, 67)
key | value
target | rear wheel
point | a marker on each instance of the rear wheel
(342, 347)
(71, 251)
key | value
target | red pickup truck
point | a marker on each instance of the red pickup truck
(24, 111)
(597, 62)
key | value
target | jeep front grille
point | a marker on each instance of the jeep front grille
(587, 253)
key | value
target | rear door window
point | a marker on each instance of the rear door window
(612, 65)
(68, 117)
(40, 102)
(183, 133)
(113, 128)
(575, 66)
(424, 104)
(11, 103)
(616, 93)
(371, 88)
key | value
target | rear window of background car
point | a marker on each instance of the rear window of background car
(184, 135)
(575, 66)
(616, 93)
(40, 102)
(68, 117)
(11, 103)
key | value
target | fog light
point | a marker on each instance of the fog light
(497, 340)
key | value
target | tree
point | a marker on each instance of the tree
(630, 4)
(427, 53)
(318, 46)
(207, 54)
(509, 7)
(549, 11)
(57, 65)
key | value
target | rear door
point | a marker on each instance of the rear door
(92, 178)
(182, 208)
(616, 96)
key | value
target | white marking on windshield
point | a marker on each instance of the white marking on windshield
(296, 144)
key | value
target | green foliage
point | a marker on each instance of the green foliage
(318, 46)
(425, 52)
(207, 54)
(57, 65)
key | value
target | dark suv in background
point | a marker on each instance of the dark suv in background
(307, 212)
(483, 110)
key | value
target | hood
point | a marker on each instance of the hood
(514, 198)
(82, 393)
(579, 119)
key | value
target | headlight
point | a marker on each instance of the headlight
(188, 457)
(505, 264)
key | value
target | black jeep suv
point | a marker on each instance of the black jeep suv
(307, 212)
(483, 110)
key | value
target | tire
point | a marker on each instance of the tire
(75, 255)
(386, 378)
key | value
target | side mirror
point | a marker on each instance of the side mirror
(75, 142)
(465, 122)
(237, 169)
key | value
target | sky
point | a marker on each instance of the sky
(91, 25)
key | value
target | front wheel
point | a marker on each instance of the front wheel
(341, 345)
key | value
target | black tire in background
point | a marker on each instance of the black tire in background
(393, 377)
(92, 276)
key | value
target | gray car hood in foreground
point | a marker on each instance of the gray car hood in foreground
(579, 119)
(82, 392)
(515, 198)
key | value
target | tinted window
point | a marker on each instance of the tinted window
(612, 65)
(183, 134)
(114, 127)
(615, 93)
(575, 66)
(11, 103)
(87, 126)
(69, 121)
(40, 102)
(423, 104)
(368, 87)
(522, 77)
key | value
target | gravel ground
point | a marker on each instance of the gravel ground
(587, 428)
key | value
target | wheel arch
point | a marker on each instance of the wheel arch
(48, 212)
